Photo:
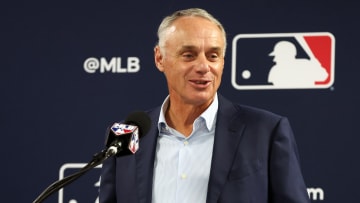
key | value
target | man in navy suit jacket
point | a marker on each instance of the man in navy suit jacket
(253, 154)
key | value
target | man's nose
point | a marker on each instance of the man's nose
(203, 65)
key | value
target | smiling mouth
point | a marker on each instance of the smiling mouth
(201, 82)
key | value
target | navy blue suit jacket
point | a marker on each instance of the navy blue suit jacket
(255, 160)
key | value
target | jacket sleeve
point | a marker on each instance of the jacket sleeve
(286, 180)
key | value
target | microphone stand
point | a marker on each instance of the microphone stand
(97, 159)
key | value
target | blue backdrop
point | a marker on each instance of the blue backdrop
(70, 70)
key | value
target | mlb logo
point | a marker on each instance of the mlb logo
(283, 61)
(134, 141)
(122, 129)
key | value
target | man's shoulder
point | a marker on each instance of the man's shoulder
(259, 113)
(247, 111)
(153, 112)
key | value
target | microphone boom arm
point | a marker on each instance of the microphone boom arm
(97, 159)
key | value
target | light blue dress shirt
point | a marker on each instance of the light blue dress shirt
(182, 164)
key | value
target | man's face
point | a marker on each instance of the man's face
(193, 60)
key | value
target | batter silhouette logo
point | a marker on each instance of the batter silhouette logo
(283, 61)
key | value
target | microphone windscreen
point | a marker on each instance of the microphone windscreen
(141, 120)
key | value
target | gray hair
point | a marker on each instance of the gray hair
(169, 20)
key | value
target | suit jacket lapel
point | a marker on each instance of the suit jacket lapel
(145, 159)
(227, 138)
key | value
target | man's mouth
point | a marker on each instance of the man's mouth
(201, 82)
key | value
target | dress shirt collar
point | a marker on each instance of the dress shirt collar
(209, 115)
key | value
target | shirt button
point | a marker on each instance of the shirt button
(183, 176)
(186, 143)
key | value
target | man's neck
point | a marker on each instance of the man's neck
(182, 116)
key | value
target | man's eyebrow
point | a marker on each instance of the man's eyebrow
(217, 49)
(191, 47)
(187, 47)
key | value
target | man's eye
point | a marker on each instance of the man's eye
(188, 56)
(213, 56)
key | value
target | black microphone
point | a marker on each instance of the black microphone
(123, 138)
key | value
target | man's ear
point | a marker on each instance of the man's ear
(158, 58)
